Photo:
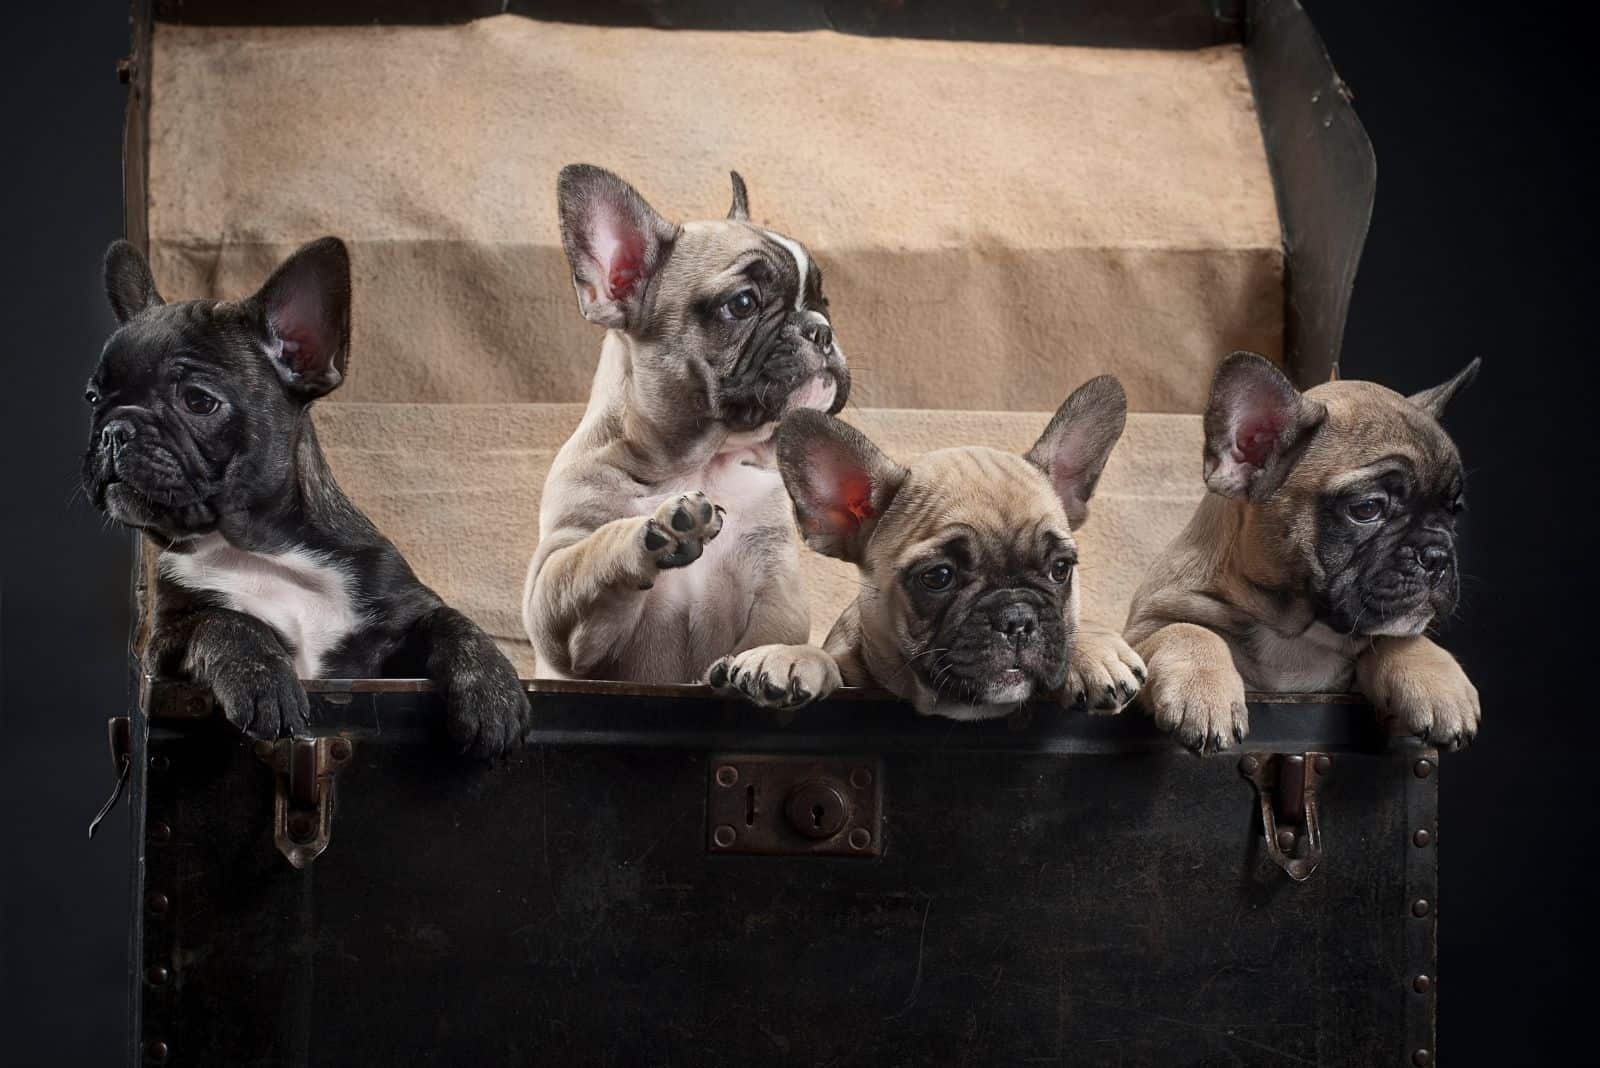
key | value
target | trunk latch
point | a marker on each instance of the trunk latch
(302, 807)
(1286, 789)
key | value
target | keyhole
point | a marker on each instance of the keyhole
(749, 806)
(816, 816)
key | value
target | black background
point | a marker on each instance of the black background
(1481, 245)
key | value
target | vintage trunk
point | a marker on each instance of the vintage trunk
(1007, 199)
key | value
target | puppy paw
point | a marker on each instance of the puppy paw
(262, 697)
(785, 677)
(1420, 688)
(1202, 703)
(486, 709)
(678, 532)
(1103, 675)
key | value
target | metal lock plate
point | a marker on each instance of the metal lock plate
(795, 805)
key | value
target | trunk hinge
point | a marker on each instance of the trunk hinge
(1286, 789)
(302, 806)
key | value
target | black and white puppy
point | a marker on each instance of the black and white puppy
(201, 437)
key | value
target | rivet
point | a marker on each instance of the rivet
(301, 826)
(1423, 768)
(158, 902)
(1323, 765)
(1421, 984)
(156, 1050)
(1285, 839)
(861, 778)
(157, 975)
(1422, 1058)
(724, 836)
(159, 763)
(1250, 765)
(160, 831)
(1422, 837)
(1420, 907)
(860, 838)
(339, 750)
(727, 775)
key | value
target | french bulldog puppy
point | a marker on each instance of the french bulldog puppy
(969, 602)
(665, 536)
(1323, 552)
(201, 437)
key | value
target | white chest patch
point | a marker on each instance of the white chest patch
(1321, 659)
(300, 594)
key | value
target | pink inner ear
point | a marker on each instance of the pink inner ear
(306, 348)
(844, 494)
(302, 350)
(619, 249)
(1256, 437)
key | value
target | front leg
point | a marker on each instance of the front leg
(583, 602)
(242, 661)
(1194, 690)
(1417, 684)
(1104, 673)
(784, 677)
(486, 708)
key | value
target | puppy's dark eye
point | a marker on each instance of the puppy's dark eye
(741, 305)
(199, 401)
(1060, 570)
(91, 396)
(939, 577)
(1369, 510)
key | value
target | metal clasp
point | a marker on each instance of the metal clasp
(1286, 789)
(302, 807)
(119, 733)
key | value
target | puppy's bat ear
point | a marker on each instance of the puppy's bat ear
(1435, 400)
(1257, 424)
(1074, 448)
(741, 198)
(129, 285)
(305, 311)
(615, 242)
(840, 482)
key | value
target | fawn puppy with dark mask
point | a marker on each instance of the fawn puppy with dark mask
(1323, 553)
(970, 591)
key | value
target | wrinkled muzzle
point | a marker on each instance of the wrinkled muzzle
(1011, 645)
(798, 364)
(136, 477)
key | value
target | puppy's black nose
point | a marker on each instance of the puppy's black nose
(115, 434)
(1435, 558)
(1016, 621)
(819, 333)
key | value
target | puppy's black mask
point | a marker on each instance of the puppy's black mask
(991, 619)
(1387, 547)
(199, 406)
